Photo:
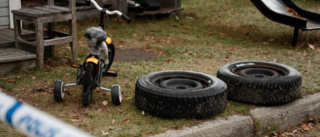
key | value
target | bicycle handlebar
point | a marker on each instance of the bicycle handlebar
(123, 16)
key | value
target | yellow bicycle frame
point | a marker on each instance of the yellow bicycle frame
(93, 60)
(108, 40)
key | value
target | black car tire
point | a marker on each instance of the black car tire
(180, 94)
(262, 83)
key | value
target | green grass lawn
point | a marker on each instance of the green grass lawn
(203, 37)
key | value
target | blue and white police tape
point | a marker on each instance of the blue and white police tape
(32, 122)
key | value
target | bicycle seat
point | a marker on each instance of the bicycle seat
(95, 34)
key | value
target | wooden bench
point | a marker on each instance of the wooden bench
(47, 14)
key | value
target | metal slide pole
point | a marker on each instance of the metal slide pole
(295, 36)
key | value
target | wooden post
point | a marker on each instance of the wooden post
(51, 27)
(17, 32)
(120, 5)
(123, 6)
(39, 42)
(73, 30)
(50, 2)
(178, 3)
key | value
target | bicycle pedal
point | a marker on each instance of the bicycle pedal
(110, 73)
(74, 65)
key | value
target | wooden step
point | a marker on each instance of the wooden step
(12, 54)
(12, 58)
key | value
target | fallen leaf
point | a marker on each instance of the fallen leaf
(294, 131)
(129, 98)
(304, 53)
(286, 134)
(311, 46)
(310, 125)
(103, 133)
(268, 128)
(75, 120)
(10, 80)
(120, 110)
(169, 60)
(105, 103)
(39, 89)
(190, 18)
(176, 17)
(74, 116)
(305, 128)
(271, 40)
(68, 93)
(126, 121)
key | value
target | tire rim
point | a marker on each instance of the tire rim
(259, 71)
(62, 90)
(181, 82)
(120, 95)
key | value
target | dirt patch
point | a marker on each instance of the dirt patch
(134, 54)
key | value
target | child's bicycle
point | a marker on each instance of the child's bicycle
(90, 73)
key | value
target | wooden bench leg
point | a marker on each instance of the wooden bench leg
(39, 42)
(73, 33)
(51, 27)
(17, 32)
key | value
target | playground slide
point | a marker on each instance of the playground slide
(288, 13)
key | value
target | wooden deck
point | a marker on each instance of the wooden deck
(12, 58)
(7, 38)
